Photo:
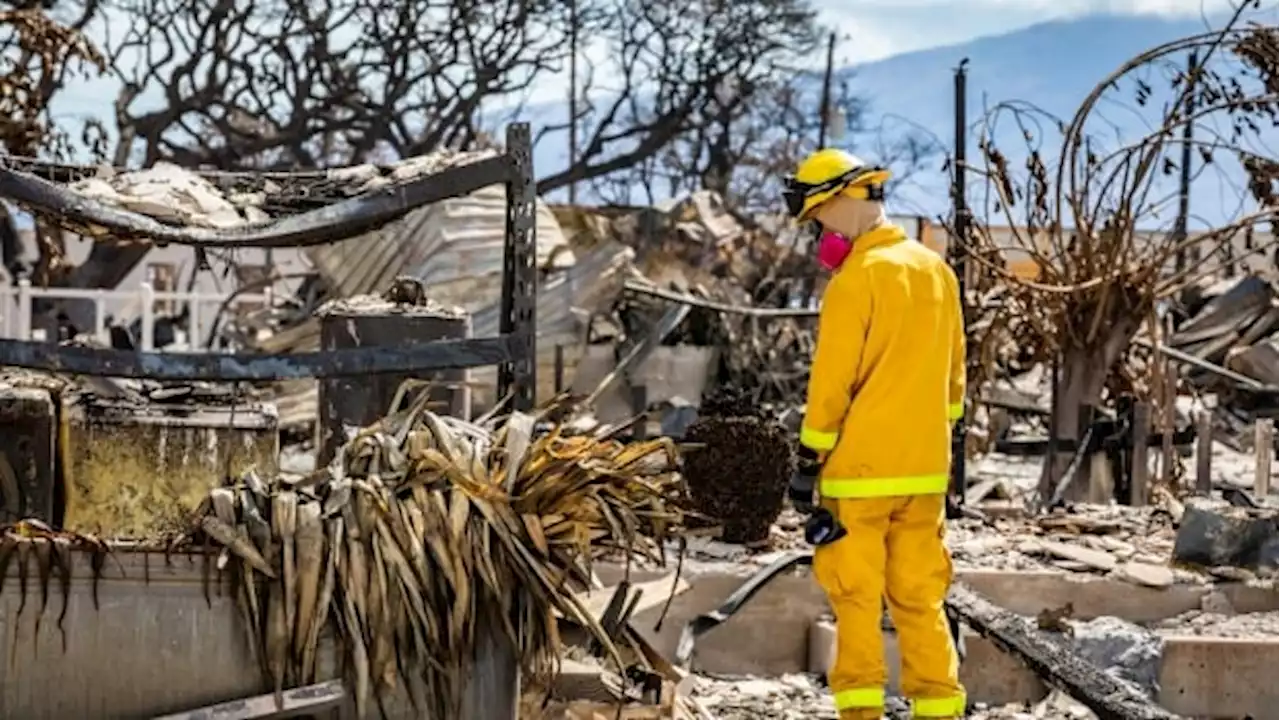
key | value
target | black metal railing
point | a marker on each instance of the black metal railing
(512, 350)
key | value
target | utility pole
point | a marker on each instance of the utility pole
(956, 250)
(573, 95)
(826, 91)
(1184, 177)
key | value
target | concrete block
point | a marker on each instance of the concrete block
(768, 636)
(989, 675)
(369, 321)
(1221, 677)
(1030, 593)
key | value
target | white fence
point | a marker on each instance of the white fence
(16, 318)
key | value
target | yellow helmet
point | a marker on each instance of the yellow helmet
(826, 173)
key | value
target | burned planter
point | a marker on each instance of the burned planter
(139, 470)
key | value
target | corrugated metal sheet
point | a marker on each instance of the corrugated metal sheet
(596, 277)
(565, 304)
(444, 242)
(150, 648)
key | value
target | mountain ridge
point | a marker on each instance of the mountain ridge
(1051, 65)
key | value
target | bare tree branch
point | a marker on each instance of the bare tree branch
(291, 84)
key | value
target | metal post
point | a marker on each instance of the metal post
(520, 275)
(558, 369)
(573, 95)
(1139, 474)
(468, 376)
(1184, 176)
(146, 323)
(100, 317)
(24, 309)
(826, 91)
(957, 253)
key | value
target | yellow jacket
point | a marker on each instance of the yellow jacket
(887, 379)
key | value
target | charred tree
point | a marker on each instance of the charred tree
(1091, 218)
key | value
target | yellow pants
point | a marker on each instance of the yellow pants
(894, 552)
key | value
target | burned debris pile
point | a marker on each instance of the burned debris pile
(750, 287)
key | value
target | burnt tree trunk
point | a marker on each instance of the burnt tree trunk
(1082, 380)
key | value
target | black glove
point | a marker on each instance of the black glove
(805, 480)
(801, 492)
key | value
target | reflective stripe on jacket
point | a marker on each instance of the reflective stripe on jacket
(887, 380)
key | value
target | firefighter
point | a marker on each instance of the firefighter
(886, 385)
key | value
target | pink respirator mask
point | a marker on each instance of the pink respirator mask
(833, 248)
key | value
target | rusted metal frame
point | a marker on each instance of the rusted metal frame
(518, 322)
(442, 355)
(340, 221)
(513, 350)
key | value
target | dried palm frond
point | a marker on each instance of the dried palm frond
(426, 529)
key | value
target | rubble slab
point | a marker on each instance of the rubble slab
(775, 624)
(989, 675)
(1221, 677)
(1199, 677)
(1030, 593)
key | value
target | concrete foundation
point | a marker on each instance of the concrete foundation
(786, 629)
(154, 644)
(1201, 677)
(134, 471)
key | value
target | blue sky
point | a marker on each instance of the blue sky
(877, 29)
(869, 30)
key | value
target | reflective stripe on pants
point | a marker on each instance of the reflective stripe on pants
(850, 488)
(858, 698)
(947, 707)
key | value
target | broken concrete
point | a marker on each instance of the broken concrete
(1123, 649)
(1227, 536)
